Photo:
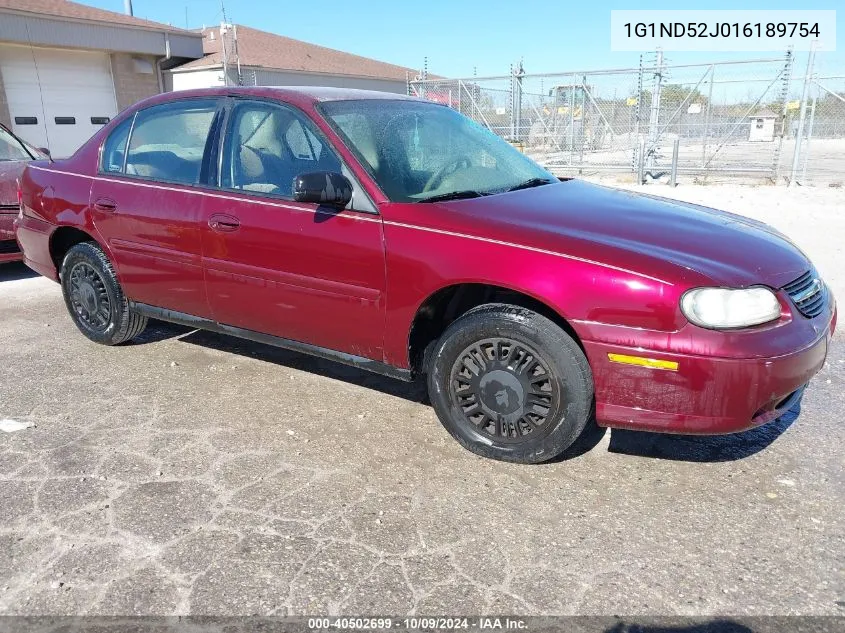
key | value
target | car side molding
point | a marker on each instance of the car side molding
(202, 323)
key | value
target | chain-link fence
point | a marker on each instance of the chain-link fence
(739, 118)
(822, 152)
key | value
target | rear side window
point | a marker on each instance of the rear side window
(114, 149)
(168, 141)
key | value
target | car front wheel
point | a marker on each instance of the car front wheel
(95, 299)
(510, 384)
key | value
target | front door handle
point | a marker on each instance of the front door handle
(224, 223)
(105, 204)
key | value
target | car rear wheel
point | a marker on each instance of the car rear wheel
(95, 299)
(510, 384)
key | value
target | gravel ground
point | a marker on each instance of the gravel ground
(191, 473)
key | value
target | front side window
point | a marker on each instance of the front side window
(302, 142)
(168, 141)
(267, 146)
(11, 148)
(417, 150)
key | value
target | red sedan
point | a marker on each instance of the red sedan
(396, 235)
(14, 155)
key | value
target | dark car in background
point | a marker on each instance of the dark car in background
(14, 155)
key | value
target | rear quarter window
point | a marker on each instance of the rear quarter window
(114, 149)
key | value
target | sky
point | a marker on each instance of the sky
(462, 37)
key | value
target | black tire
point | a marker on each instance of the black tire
(94, 298)
(497, 355)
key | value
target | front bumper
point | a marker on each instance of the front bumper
(705, 395)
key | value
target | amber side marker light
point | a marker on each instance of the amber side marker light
(641, 361)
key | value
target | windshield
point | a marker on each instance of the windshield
(11, 148)
(418, 151)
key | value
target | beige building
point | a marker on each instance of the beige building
(254, 57)
(66, 68)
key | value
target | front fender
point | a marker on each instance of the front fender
(422, 261)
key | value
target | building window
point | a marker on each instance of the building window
(26, 120)
(65, 120)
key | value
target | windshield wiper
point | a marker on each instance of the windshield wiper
(532, 182)
(454, 195)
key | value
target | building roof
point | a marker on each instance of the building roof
(267, 50)
(76, 11)
(763, 114)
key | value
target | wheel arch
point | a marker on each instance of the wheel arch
(65, 237)
(448, 303)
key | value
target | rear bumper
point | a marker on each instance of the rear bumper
(34, 238)
(705, 395)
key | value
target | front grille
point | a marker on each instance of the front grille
(8, 246)
(808, 293)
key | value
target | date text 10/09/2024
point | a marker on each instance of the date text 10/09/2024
(418, 623)
(722, 29)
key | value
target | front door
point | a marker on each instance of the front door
(281, 267)
(146, 204)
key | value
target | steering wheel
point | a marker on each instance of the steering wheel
(449, 168)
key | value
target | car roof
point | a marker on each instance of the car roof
(326, 93)
(296, 95)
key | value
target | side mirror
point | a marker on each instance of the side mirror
(323, 187)
(44, 151)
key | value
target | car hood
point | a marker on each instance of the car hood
(642, 233)
(10, 171)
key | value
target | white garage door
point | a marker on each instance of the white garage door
(76, 97)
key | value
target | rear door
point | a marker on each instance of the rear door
(148, 206)
(273, 265)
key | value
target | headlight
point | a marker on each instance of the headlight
(724, 308)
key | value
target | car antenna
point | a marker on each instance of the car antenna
(40, 90)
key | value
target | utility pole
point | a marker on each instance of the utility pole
(654, 118)
(796, 157)
(225, 53)
(223, 31)
(237, 54)
(517, 101)
(637, 158)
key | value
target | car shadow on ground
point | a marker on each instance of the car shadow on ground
(158, 330)
(690, 448)
(702, 448)
(15, 271)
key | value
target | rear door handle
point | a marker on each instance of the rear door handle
(224, 223)
(105, 204)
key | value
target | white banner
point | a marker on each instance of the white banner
(684, 30)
